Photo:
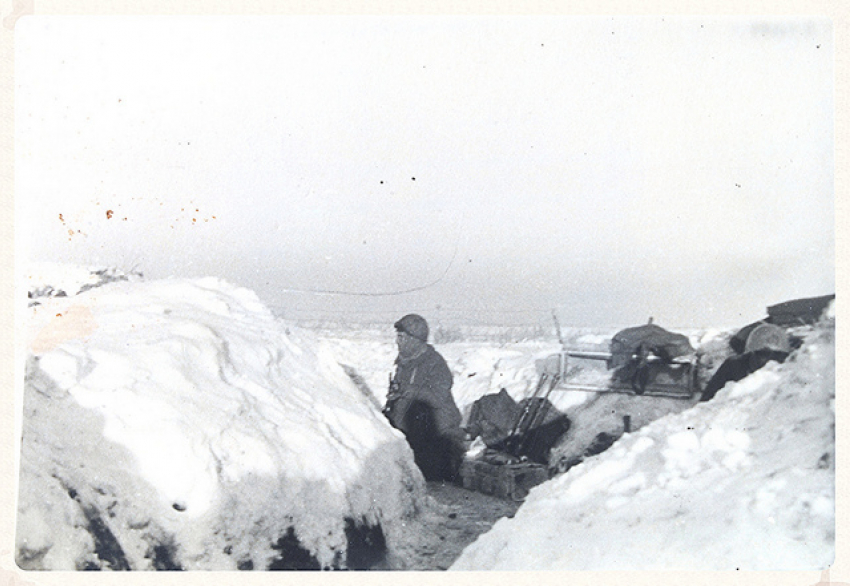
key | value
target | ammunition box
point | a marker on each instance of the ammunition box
(507, 481)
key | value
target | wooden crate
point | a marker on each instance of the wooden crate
(508, 481)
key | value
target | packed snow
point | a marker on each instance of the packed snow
(182, 416)
(744, 481)
(181, 422)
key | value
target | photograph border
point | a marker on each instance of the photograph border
(12, 11)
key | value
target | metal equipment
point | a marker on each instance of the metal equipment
(644, 374)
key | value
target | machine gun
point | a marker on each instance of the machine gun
(644, 372)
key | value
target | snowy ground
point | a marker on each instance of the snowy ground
(177, 424)
(745, 481)
(181, 423)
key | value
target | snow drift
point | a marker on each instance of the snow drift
(745, 481)
(178, 424)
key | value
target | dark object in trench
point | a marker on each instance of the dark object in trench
(292, 555)
(600, 443)
(643, 340)
(493, 417)
(799, 311)
(497, 419)
(437, 456)
(106, 546)
(109, 551)
(162, 556)
(738, 342)
(367, 548)
(736, 368)
(537, 442)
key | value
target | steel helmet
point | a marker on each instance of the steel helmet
(414, 325)
(767, 337)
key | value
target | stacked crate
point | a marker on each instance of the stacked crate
(504, 480)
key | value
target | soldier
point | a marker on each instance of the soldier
(420, 402)
(765, 343)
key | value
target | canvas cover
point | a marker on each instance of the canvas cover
(798, 311)
(665, 344)
(493, 417)
(792, 313)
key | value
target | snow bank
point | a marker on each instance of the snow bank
(46, 279)
(178, 424)
(600, 420)
(744, 481)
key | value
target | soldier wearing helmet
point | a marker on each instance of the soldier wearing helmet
(765, 342)
(420, 402)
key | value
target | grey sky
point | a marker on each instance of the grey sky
(609, 168)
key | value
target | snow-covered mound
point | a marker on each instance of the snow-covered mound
(178, 424)
(47, 279)
(744, 481)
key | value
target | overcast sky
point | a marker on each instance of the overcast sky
(607, 168)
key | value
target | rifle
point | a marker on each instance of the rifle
(393, 395)
(535, 410)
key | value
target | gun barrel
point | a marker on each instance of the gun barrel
(589, 355)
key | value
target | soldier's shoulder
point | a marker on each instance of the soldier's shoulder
(433, 357)
(432, 352)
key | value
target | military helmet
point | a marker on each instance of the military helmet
(414, 325)
(767, 337)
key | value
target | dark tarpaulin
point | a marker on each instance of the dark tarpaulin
(796, 312)
(494, 417)
(799, 311)
(665, 344)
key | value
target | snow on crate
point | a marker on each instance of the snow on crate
(178, 424)
(744, 481)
